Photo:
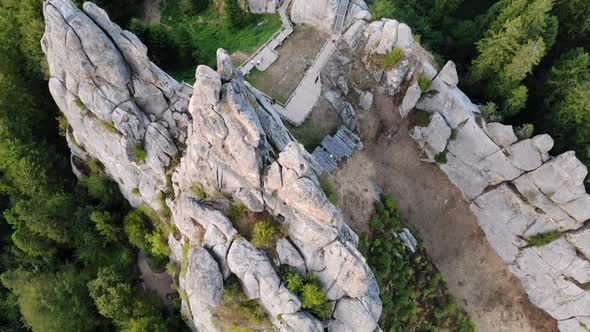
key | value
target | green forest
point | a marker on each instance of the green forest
(69, 247)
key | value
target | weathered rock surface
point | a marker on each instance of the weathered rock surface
(262, 6)
(322, 13)
(237, 147)
(516, 189)
(432, 139)
(502, 135)
(103, 81)
(203, 284)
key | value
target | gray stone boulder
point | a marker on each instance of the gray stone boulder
(288, 255)
(366, 100)
(259, 279)
(433, 139)
(581, 240)
(410, 99)
(501, 134)
(320, 13)
(552, 275)
(203, 285)
(354, 34)
(350, 315)
(449, 74)
(299, 322)
(262, 6)
(450, 102)
(405, 38)
(388, 37)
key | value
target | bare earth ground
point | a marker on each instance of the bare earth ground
(296, 55)
(161, 283)
(475, 274)
(152, 11)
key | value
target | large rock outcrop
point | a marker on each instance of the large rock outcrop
(221, 136)
(322, 13)
(262, 6)
(516, 189)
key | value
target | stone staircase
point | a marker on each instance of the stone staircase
(334, 149)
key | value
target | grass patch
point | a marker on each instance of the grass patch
(237, 313)
(542, 239)
(310, 292)
(267, 232)
(423, 118)
(309, 134)
(393, 57)
(424, 83)
(415, 297)
(198, 192)
(255, 77)
(237, 211)
(140, 153)
(135, 191)
(454, 133)
(206, 32)
(329, 190)
(441, 158)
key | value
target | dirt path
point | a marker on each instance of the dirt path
(476, 276)
(161, 283)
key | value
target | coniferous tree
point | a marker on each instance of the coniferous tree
(520, 33)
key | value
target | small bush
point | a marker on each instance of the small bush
(540, 240)
(140, 153)
(237, 211)
(265, 233)
(62, 125)
(158, 244)
(329, 190)
(441, 158)
(80, 104)
(393, 57)
(424, 83)
(163, 206)
(136, 227)
(490, 112)
(423, 119)
(310, 292)
(525, 131)
(135, 191)
(454, 133)
(198, 192)
(237, 312)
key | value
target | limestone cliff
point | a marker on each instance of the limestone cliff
(222, 136)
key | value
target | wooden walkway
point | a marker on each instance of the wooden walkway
(334, 149)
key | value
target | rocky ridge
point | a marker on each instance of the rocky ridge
(517, 190)
(221, 136)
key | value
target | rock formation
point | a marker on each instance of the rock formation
(221, 136)
(322, 13)
(516, 189)
(262, 6)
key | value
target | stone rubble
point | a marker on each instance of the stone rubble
(222, 136)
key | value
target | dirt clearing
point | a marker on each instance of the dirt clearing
(295, 57)
(476, 276)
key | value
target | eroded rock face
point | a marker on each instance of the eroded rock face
(113, 97)
(118, 103)
(262, 6)
(516, 189)
(322, 13)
